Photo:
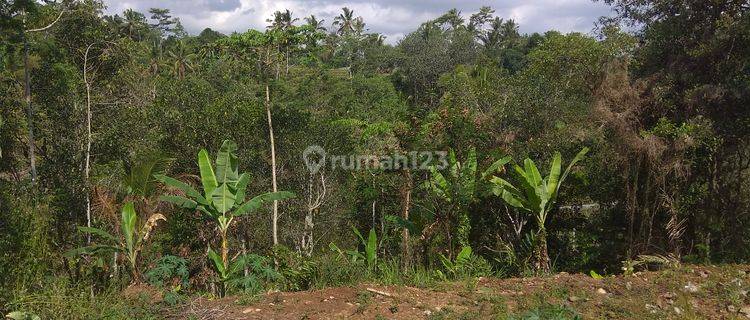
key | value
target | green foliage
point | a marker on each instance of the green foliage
(25, 239)
(139, 178)
(223, 199)
(549, 311)
(223, 195)
(63, 300)
(595, 275)
(260, 271)
(536, 195)
(133, 238)
(464, 265)
(296, 271)
(332, 271)
(368, 256)
(459, 188)
(371, 248)
(169, 271)
(663, 103)
(21, 315)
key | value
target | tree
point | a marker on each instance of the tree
(316, 24)
(537, 196)
(690, 71)
(282, 20)
(345, 21)
(134, 24)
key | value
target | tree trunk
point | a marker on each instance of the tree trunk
(275, 219)
(87, 166)
(406, 254)
(29, 108)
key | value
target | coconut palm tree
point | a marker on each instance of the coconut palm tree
(359, 26)
(316, 24)
(133, 24)
(282, 20)
(345, 21)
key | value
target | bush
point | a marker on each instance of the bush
(169, 270)
(26, 253)
(296, 271)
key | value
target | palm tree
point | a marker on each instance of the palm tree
(359, 26)
(452, 18)
(345, 21)
(133, 24)
(282, 20)
(492, 37)
(509, 33)
(316, 24)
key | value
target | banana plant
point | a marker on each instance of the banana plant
(133, 238)
(371, 248)
(370, 253)
(223, 197)
(459, 188)
(537, 196)
(455, 267)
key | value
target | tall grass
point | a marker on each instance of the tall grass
(62, 300)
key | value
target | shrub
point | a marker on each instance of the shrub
(296, 271)
(169, 270)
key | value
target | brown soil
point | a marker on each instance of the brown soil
(690, 292)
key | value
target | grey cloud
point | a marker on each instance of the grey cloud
(224, 5)
(393, 18)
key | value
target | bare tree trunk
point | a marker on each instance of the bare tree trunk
(273, 168)
(29, 108)
(313, 203)
(87, 166)
(406, 254)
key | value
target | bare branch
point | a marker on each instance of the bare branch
(49, 25)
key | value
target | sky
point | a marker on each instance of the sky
(393, 18)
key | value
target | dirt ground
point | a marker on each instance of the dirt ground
(690, 292)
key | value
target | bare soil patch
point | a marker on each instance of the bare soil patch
(690, 292)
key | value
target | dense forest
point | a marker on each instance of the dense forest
(133, 152)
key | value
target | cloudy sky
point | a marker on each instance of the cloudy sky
(393, 18)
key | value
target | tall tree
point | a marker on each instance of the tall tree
(345, 21)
